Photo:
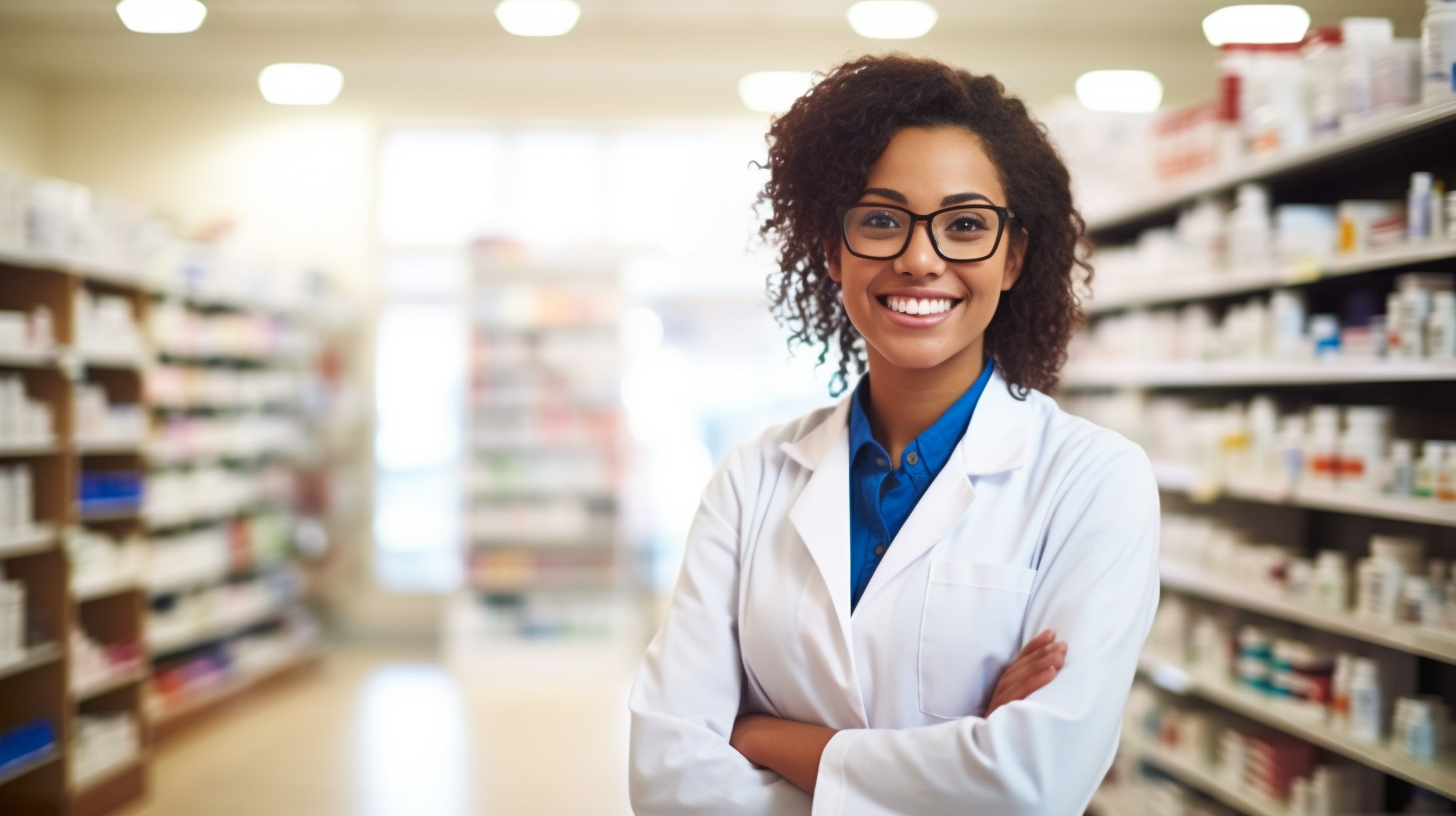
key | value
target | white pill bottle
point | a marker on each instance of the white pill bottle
(1438, 52)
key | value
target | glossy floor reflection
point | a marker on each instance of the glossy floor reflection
(388, 734)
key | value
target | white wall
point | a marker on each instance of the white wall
(20, 126)
(297, 182)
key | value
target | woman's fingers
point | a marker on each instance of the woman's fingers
(1034, 668)
(1045, 638)
(1035, 660)
(1025, 680)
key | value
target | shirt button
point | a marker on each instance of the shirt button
(880, 550)
(912, 458)
(882, 461)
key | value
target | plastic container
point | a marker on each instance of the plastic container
(1446, 476)
(1440, 340)
(1320, 451)
(1418, 206)
(1323, 56)
(1332, 581)
(1361, 447)
(1251, 229)
(1366, 701)
(1433, 453)
(1400, 469)
(1438, 52)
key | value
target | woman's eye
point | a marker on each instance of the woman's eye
(880, 220)
(966, 223)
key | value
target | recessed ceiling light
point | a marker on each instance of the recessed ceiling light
(773, 91)
(300, 83)
(1125, 91)
(538, 18)
(892, 19)
(161, 16)
(1256, 24)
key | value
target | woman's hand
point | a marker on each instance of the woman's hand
(1037, 665)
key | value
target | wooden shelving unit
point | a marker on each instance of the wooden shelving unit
(1374, 162)
(115, 609)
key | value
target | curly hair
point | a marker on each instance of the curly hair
(819, 155)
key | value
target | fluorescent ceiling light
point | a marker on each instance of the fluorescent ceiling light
(773, 91)
(300, 83)
(161, 16)
(1256, 24)
(892, 19)
(1125, 91)
(538, 18)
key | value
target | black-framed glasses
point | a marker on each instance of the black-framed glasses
(966, 232)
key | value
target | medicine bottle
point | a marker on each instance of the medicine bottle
(1438, 52)
(1432, 454)
(1365, 701)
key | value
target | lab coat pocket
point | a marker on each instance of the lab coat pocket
(970, 629)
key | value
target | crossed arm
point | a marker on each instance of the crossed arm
(793, 749)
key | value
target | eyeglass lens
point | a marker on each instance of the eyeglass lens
(962, 234)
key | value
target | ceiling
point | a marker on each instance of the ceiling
(651, 57)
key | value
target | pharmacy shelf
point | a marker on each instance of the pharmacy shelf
(187, 583)
(1191, 374)
(10, 358)
(117, 769)
(97, 515)
(1269, 601)
(34, 658)
(116, 448)
(97, 590)
(167, 716)
(110, 684)
(1201, 778)
(1176, 289)
(116, 275)
(1169, 676)
(121, 362)
(206, 515)
(28, 449)
(1186, 479)
(216, 632)
(35, 763)
(14, 545)
(1374, 135)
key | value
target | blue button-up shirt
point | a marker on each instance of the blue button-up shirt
(880, 498)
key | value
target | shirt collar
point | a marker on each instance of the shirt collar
(934, 446)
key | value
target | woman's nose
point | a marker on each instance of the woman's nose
(920, 258)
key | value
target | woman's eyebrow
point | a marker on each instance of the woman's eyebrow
(961, 198)
(885, 192)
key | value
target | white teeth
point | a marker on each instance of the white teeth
(919, 306)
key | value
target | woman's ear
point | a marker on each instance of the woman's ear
(1015, 255)
(831, 259)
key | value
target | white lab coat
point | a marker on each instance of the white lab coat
(1039, 520)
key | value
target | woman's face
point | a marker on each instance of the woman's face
(899, 305)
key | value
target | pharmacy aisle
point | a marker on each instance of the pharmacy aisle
(390, 733)
(1273, 319)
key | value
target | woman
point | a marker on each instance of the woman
(857, 581)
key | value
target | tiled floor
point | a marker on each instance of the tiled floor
(389, 734)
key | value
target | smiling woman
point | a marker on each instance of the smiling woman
(929, 598)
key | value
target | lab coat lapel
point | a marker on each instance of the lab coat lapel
(820, 515)
(821, 512)
(994, 442)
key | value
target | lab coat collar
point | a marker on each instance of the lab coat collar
(996, 441)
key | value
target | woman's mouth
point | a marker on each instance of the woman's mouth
(917, 312)
(917, 305)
